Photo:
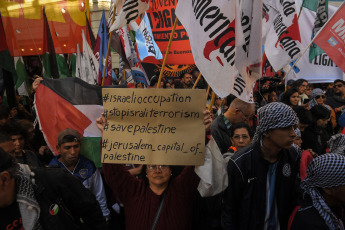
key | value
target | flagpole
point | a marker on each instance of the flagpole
(208, 91)
(313, 40)
(124, 75)
(167, 53)
(108, 50)
(212, 101)
(197, 80)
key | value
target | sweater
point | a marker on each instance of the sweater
(141, 203)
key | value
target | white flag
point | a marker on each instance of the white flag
(221, 54)
(89, 64)
(130, 11)
(283, 40)
(79, 70)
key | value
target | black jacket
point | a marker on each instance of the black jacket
(221, 134)
(245, 198)
(315, 138)
(76, 203)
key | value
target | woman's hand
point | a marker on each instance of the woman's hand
(100, 122)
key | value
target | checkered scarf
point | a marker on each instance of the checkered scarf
(325, 171)
(274, 115)
(298, 132)
(337, 143)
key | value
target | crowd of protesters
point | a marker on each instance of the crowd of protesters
(284, 161)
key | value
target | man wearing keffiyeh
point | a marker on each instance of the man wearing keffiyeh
(263, 181)
(324, 195)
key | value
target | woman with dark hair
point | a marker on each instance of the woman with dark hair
(290, 97)
(315, 136)
(240, 135)
(162, 203)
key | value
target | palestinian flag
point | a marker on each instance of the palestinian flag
(70, 103)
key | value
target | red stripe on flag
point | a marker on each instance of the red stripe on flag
(56, 114)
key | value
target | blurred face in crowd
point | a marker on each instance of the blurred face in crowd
(308, 90)
(339, 87)
(8, 146)
(19, 142)
(187, 79)
(322, 122)
(158, 175)
(294, 99)
(241, 138)
(302, 126)
(298, 141)
(69, 153)
(302, 88)
(282, 138)
(245, 115)
(273, 96)
(320, 99)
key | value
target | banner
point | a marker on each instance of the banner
(89, 64)
(283, 40)
(156, 126)
(162, 16)
(24, 25)
(322, 68)
(331, 38)
(170, 71)
(145, 41)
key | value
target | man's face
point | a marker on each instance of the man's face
(283, 137)
(245, 115)
(19, 142)
(302, 88)
(69, 153)
(302, 126)
(338, 87)
(187, 79)
(322, 122)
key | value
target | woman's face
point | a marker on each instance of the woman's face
(320, 99)
(322, 122)
(294, 99)
(273, 96)
(158, 175)
(241, 138)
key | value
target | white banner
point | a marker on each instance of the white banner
(281, 31)
(211, 27)
(89, 64)
(322, 69)
(130, 11)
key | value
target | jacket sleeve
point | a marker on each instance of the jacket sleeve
(232, 196)
(97, 189)
(78, 199)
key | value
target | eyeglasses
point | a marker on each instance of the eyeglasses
(338, 85)
(318, 96)
(160, 167)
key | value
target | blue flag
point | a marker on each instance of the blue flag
(145, 41)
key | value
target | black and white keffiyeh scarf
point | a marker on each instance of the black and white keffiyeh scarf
(337, 143)
(274, 115)
(325, 171)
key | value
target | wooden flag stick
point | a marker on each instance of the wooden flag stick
(108, 50)
(167, 53)
(208, 91)
(124, 74)
(197, 80)
(212, 101)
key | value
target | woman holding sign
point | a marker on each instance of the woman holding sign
(164, 203)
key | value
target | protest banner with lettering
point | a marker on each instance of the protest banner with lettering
(24, 25)
(282, 34)
(331, 38)
(161, 15)
(170, 71)
(156, 126)
(322, 68)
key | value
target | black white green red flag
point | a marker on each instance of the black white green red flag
(70, 103)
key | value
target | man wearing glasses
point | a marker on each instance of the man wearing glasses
(337, 102)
